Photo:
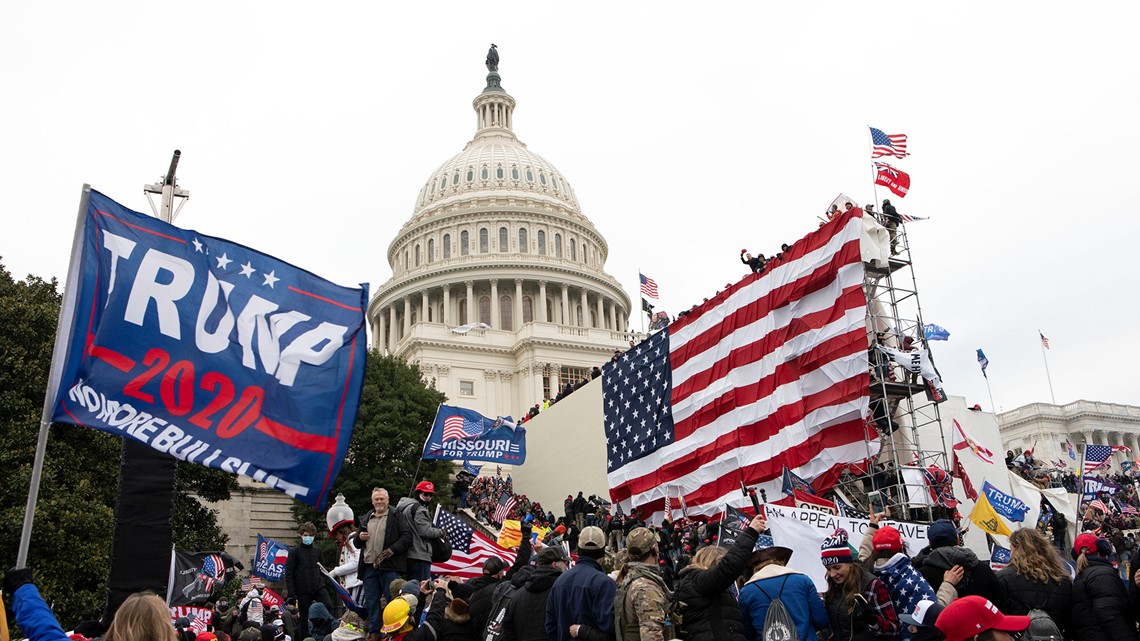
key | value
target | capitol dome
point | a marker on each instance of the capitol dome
(498, 288)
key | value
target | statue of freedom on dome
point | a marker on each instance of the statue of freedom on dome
(493, 58)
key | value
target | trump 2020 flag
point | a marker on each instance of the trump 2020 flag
(772, 373)
(208, 351)
(460, 434)
(935, 332)
(270, 558)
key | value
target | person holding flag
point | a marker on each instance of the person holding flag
(711, 610)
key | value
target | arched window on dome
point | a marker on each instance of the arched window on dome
(446, 246)
(506, 313)
(484, 241)
(405, 260)
(514, 172)
(464, 246)
(527, 310)
(442, 184)
(542, 177)
(484, 174)
(573, 250)
(414, 318)
(432, 192)
(550, 311)
(541, 243)
(417, 255)
(583, 252)
(504, 242)
(558, 245)
(522, 240)
(485, 309)
(455, 178)
(430, 309)
(554, 183)
(463, 311)
(499, 172)
(529, 175)
(431, 250)
(470, 174)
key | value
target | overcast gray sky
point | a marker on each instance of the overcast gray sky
(308, 129)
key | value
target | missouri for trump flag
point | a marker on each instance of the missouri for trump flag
(771, 373)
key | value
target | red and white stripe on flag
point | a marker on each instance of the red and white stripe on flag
(771, 373)
(469, 565)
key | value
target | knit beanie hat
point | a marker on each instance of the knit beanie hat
(887, 538)
(835, 549)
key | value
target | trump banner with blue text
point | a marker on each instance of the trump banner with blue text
(209, 351)
(464, 435)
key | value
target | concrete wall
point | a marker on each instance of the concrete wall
(255, 508)
(566, 451)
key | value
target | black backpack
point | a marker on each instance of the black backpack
(500, 599)
(778, 624)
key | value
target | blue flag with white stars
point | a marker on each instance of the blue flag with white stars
(638, 415)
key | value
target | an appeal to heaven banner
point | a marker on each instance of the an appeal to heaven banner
(210, 351)
(803, 531)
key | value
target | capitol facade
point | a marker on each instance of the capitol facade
(498, 290)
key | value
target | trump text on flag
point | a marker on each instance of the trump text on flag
(211, 352)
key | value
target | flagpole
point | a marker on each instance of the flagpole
(1081, 488)
(62, 334)
(1047, 376)
(993, 406)
(641, 296)
(874, 174)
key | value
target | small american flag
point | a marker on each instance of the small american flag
(503, 510)
(457, 428)
(469, 549)
(887, 145)
(1044, 341)
(648, 286)
(910, 219)
(1099, 505)
(1121, 448)
(1128, 509)
(1096, 456)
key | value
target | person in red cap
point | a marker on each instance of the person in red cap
(415, 511)
(1101, 609)
(974, 617)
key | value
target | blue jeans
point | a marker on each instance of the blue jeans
(418, 570)
(376, 584)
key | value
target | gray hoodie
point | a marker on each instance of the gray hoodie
(422, 529)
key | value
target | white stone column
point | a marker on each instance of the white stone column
(517, 304)
(407, 314)
(555, 368)
(542, 302)
(495, 322)
(585, 309)
(447, 305)
(565, 304)
(392, 327)
(424, 306)
(381, 333)
(601, 312)
(472, 311)
(613, 315)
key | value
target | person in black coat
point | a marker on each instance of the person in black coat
(303, 578)
(525, 617)
(945, 552)
(494, 572)
(891, 220)
(1036, 579)
(1100, 603)
(755, 263)
(711, 612)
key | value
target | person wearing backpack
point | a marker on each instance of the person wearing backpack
(779, 597)
(710, 611)
(524, 614)
(415, 513)
(1036, 583)
(1100, 603)
(642, 603)
(859, 606)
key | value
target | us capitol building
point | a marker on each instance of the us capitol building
(498, 291)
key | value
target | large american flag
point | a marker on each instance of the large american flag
(771, 373)
(469, 549)
(1096, 457)
(503, 509)
(887, 145)
(456, 428)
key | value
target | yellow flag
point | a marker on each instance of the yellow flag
(511, 534)
(541, 532)
(986, 518)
